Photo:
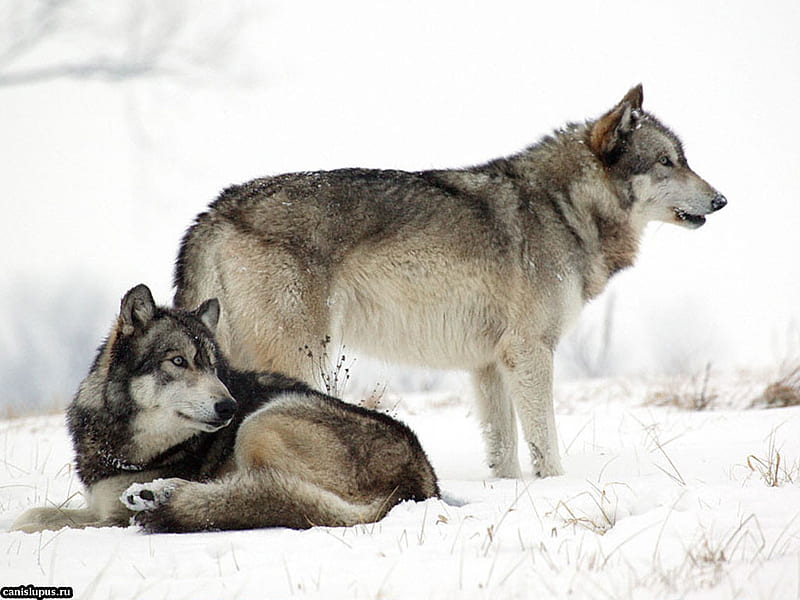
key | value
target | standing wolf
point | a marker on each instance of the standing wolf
(480, 268)
(159, 403)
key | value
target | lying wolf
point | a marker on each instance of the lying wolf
(480, 268)
(165, 430)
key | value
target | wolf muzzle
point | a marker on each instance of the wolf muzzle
(719, 201)
(225, 409)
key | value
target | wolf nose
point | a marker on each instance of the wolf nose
(718, 202)
(225, 408)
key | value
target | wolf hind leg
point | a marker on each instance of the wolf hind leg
(54, 518)
(254, 499)
(274, 309)
(498, 422)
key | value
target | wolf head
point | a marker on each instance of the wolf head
(167, 359)
(153, 386)
(645, 160)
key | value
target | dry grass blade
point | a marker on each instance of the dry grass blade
(652, 434)
(332, 375)
(768, 469)
(773, 468)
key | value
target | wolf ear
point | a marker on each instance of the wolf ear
(635, 96)
(136, 309)
(609, 130)
(208, 313)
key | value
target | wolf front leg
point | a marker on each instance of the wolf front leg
(527, 369)
(245, 500)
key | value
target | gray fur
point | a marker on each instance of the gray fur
(481, 268)
(158, 436)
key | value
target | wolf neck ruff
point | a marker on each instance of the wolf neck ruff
(171, 456)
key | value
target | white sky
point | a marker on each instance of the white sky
(101, 179)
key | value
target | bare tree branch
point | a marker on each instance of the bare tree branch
(148, 39)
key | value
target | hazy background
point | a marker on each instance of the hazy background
(120, 121)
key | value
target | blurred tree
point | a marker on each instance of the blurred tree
(41, 40)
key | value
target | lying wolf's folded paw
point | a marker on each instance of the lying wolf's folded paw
(156, 521)
(148, 496)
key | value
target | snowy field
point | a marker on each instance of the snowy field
(121, 120)
(657, 502)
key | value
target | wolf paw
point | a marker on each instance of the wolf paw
(545, 466)
(149, 496)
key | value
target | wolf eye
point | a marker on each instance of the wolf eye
(664, 160)
(178, 361)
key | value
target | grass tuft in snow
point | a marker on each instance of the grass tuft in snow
(332, 375)
(781, 393)
(376, 398)
(772, 468)
(595, 509)
(692, 393)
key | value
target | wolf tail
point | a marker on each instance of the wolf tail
(258, 498)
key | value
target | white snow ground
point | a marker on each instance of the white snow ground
(657, 502)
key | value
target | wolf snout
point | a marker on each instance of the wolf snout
(719, 201)
(225, 409)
